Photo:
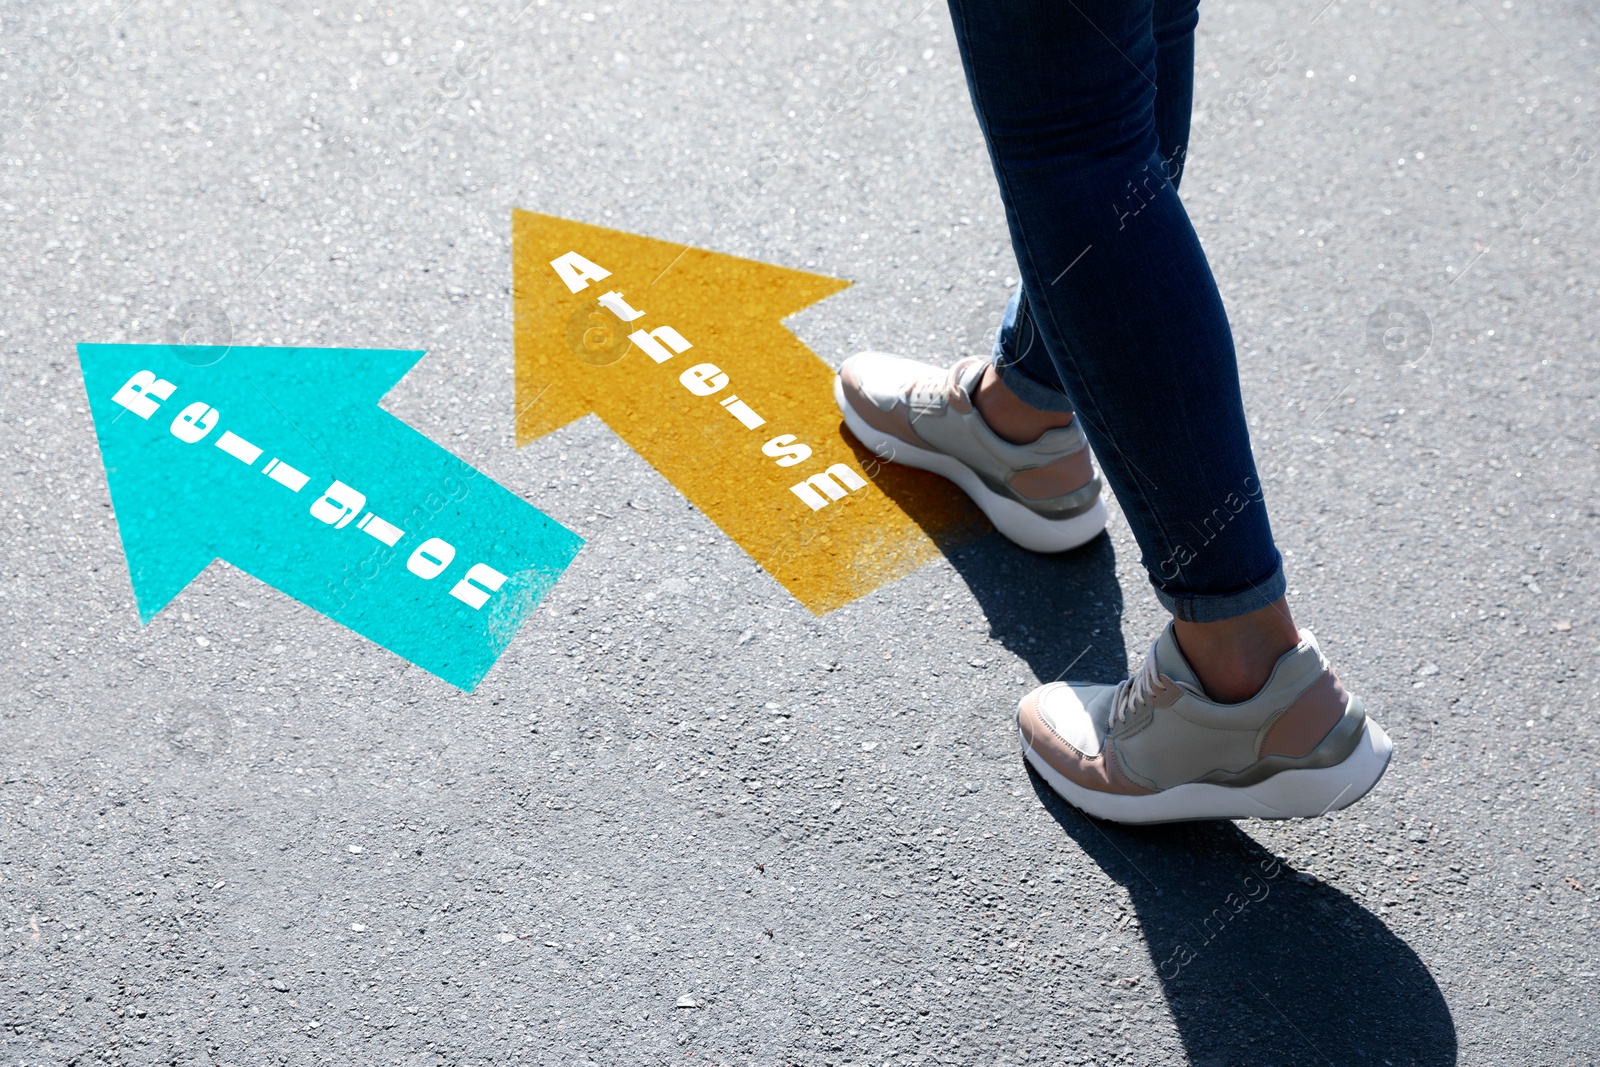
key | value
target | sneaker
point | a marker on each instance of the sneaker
(1044, 496)
(1155, 748)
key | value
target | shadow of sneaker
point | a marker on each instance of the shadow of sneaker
(1261, 964)
(1061, 614)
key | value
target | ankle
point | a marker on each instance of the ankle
(1233, 659)
(1009, 416)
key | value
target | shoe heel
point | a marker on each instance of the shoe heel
(1306, 794)
(1019, 524)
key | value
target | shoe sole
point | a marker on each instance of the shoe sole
(1025, 527)
(1296, 794)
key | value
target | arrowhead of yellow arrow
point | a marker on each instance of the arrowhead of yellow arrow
(574, 358)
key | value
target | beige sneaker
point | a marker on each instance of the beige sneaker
(1044, 496)
(1154, 748)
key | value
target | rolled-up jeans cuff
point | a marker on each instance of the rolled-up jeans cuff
(1028, 389)
(1016, 329)
(1218, 607)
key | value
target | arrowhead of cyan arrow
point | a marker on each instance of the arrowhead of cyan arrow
(165, 533)
(159, 565)
(281, 462)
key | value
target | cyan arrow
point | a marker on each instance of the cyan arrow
(280, 461)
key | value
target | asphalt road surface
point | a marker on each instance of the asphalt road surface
(683, 819)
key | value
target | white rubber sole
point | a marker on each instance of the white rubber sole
(1027, 528)
(1302, 794)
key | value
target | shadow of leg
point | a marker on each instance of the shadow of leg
(1259, 963)
(1056, 612)
(1061, 614)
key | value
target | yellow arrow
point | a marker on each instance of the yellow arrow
(682, 352)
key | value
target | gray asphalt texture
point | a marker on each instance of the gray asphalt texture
(683, 820)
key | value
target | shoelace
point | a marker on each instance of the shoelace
(1138, 689)
(936, 389)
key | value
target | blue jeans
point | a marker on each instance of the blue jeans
(1085, 108)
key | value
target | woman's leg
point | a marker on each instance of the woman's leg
(1120, 299)
(1025, 388)
(1172, 23)
(1234, 713)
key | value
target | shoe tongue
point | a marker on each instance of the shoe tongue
(1170, 661)
(966, 374)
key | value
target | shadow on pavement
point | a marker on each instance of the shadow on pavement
(1060, 614)
(1261, 964)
